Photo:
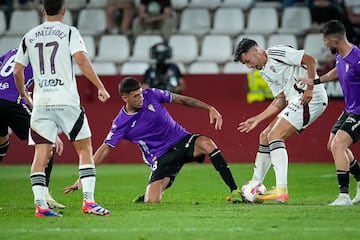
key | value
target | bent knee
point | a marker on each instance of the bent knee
(205, 144)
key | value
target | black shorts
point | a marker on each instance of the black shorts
(15, 116)
(169, 164)
(349, 123)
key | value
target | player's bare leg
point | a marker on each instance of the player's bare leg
(87, 175)
(38, 180)
(339, 146)
(155, 190)
(281, 130)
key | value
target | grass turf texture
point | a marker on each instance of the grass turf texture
(193, 208)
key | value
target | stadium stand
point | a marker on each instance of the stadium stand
(185, 48)
(2, 23)
(92, 21)
(210, 4)
(209, 46)
(230, 21)
(134, 68)
(195, 21)
(283, 39)
(120, 51)
(22, 21)
(295, 20)
(141, 48)
(204, 68)
(262, 20)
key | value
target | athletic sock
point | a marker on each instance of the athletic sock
(262, 163)
(87, 175)
(279, 159)
(3, 149)
(222, 167)
(39, 189)
(343, 180)
(355, 170)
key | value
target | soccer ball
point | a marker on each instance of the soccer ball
(250, 189)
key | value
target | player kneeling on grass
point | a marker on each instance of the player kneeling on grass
(166, 146)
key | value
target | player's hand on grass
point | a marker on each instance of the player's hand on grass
(72, 188)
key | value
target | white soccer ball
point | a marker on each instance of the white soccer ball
(250, 189)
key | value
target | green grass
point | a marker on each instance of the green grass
(193, 208)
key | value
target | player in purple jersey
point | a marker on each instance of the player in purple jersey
(346, 130)
(166, 146)
(15, 114)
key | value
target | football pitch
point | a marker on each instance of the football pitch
(193, 208)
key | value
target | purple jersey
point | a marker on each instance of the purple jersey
(152, 128)
(348, 71)
(8, 90)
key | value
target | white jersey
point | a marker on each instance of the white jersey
(282, 70)
(49, 48)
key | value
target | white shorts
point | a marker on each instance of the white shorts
(49, 121)
(301, 116)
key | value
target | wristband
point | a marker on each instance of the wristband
(316, 81)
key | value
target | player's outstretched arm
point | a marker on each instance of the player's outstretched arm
(88, 70)
(101, 153)
(72, 188)
(276, 106)
(214, 114)
(327, 77)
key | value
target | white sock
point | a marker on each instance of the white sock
(279, 159)
(39, 189)
(262, 165)
(88, 179)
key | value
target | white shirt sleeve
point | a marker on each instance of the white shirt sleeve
(76, 42)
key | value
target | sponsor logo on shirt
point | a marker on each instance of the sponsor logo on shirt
(4, 86)
(272, 68)
(151, 107)
(50, 85)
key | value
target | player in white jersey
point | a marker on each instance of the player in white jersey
(299, 105)
(51, 48)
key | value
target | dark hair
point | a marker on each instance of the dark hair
(243, 47)
(128, 85)
(333, 27)
(53, 7)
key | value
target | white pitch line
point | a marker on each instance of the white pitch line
(190, 229)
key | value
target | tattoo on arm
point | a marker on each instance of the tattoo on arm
(189, 101)
(279, 102)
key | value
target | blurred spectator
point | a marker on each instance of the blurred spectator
(353, 11)
(289, 3)
(162, 74)
(155, 15)
(326, 10)
(119, 12)
(10, 5)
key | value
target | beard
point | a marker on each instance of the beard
(333, 50)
